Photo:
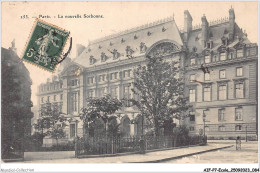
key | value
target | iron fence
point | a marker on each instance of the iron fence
(113, 145)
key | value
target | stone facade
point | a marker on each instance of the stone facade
(227, 94)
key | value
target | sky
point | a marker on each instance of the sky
(118, 16)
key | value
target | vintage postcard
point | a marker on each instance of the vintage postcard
(173, 84)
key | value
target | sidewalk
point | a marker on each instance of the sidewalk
(152, 157)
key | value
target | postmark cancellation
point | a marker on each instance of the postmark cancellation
(45, 45)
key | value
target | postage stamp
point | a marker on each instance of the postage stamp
(45, 45)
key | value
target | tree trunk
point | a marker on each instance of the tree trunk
(156, 128)
(57, 141)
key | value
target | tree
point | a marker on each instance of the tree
(57, 132)
(113, 127)
(51, 122)
(160, 92)
(99, 108)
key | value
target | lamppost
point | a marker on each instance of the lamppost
(204, 121)
(246, 133)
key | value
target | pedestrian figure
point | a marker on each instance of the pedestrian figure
(238, 143)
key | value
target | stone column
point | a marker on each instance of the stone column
(132, 129)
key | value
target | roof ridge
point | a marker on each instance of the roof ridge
(127, 31)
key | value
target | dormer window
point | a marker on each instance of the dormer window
(103, 57)
(215, 58)
(209, 45)
(223, 56)
(231, 55)
(240, 53)
(115, 54)
(135, 37)
(192, 61)
(128, 50)
(122, 40)
(224, 41)
(163, 29)
(143, 47)
(207, 59)
(92, 60)
(149, 33)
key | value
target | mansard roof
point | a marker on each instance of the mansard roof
(148, 34)
(216, 33)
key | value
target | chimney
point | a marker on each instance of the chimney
(231, 24)
(187, 24)
(204, 30)
(13, 48)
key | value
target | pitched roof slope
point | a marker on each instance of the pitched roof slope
(148, 34)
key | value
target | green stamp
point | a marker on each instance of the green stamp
(45, 45)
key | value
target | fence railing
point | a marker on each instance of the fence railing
(113, 145)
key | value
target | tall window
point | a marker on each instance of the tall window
(240, 53)
(54, 97)
(238, 127)
(72, 130)
(192, 116)
(102, 78)
(207, 59)
(206, 76)
(192, 95)
(42, 99)
(101, 92)
(222, 74)
(74, 82)
(221, 114)
(239, 114)
(253, 50)
(207, 93)
(223, 56)
(239, 93)
(61, 105)
(90, 93)
(192, 61)
(90, 80)
(74, 102)
(127, 94)
(48, 99)
(126, 73)
(222, 92)
(61, 97)
(231, 55)
(61, 85)
(239, 71)
(192, 78)
(114, 91)
(113, 76)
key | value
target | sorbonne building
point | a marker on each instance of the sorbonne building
(224, 98)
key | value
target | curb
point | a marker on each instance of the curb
(185, 155)
(131, 153)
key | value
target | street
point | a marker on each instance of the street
(247, 154)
